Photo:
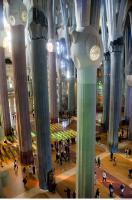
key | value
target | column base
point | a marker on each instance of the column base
(9, 133)
(26, 157)
(113, 148)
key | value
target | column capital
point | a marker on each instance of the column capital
(37, 23)
(116, 45)
(16, 13)
(86, 48)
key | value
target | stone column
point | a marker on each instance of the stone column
(3, 80)
(71, 91)
(60, 95)
(86, 55)
(106, 90)
(20, 79)
(115, 87)
(130, 15)
(38, 32)
(52, 64)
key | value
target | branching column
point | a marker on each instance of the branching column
(84, 43)
(115, 87)
(38, 33)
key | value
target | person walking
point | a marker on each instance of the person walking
(24, 171)
(97, 194)
(95, 178)
(74, 195)
(16, 167)
(33, 169)
(111, 190)
(25, 181)
(104, 175)
(68, 192)
(111, 156)
(122, 189)
(98, 162)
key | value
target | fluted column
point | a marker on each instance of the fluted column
(52, 63)
(3, 80)
(106, 90)
(86, 55)
(115, 87)
(20, 79)
(38, 34)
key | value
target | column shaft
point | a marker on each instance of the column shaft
(52, 86)
(21, 93)
(40, 86)
(71, 96)
(86, 112)
(115, 88)
(106, 90)
(4, 94)
(52, 64)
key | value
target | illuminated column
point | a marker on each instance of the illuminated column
(38, 33)
(115, 98)
(52, 63)
(3, 80)
(86, 55)
(17, 21)
(106, 90)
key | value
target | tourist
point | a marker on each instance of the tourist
(97, 194)
(122, 189)
(24, 171)
(74, 195)
(33, 169)
(104, 176)
(25, 181)
(16, 166)
(111, 156)
(111, 190)
(95, 178)
(68, 192)
(129, 152)
(98, 162)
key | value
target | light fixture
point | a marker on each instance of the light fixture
(12, 20)
(24, 16)
(95, 53)
(50, 47)
(68, 75)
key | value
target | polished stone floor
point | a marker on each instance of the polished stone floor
(12, 185)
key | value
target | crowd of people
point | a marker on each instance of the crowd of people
(62, 149)
(111, 191)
